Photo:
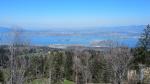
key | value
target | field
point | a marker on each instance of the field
(45, 81)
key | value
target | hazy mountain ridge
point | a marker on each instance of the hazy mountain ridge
(135, 28)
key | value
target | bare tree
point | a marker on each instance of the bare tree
(81, 66)
(77, 66)
(18, 63)
(50, 58)
(119, 59)
(86, 67)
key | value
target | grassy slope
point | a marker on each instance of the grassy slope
(68, 82)
(45, 81)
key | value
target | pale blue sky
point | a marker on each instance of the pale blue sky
(74, 13)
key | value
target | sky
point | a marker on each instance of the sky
(74, 13)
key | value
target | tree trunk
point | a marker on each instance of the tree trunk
(141, 73)
(76, 78)
(50, 77)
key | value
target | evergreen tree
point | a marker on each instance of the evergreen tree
(142, 52)
(57, 67)
(69, 65)
(1, 77)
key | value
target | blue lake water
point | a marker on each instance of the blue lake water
(83, 40)
(124, 35)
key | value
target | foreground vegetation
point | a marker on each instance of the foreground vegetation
(21, 63)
